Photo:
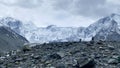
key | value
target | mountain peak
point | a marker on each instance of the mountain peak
(114, 15)
(110, 18)
(51, 26)
(8, 19)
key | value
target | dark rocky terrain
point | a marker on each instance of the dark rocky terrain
(91, 54)
(9, 40)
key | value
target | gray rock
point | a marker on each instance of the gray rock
(26, 48)
(112, 61)
(111, 47)
(1, 61)
(19, 59)
(62, 54)
(55, 56)
(60, 65)
(36, 57)
(86, 63)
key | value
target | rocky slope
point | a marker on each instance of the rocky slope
(9, 40)
(65, 55)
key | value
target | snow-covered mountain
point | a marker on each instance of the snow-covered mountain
(43, 34)
(54, 33)
(18, 26)
(102, 29)
(110, 29)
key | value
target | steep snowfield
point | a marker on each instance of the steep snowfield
(102, 27)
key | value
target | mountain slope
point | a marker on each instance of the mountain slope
(9, 40)
(105, 27)
(42, 34)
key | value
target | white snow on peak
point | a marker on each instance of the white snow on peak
(53, 33)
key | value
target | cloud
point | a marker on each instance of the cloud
(22, 3)
(62, 4)
(114, 2)
(29, 3)
(59, 12)
(88, 8)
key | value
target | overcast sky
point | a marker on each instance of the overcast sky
(59, 12)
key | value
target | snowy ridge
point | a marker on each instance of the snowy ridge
(103, 27)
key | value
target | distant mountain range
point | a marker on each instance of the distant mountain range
(107, 28)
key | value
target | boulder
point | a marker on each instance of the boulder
(55, 56)
(85, 63)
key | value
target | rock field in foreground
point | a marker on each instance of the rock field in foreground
(65, 55)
